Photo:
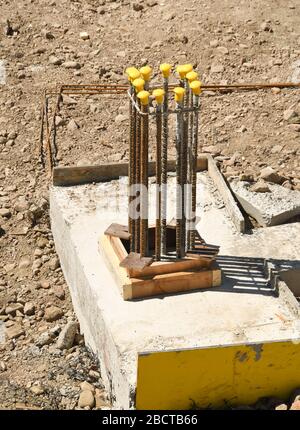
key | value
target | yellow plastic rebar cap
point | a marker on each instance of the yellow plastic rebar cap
(165, 69)
(192, 76)
(179, 93)
(132, 73)
(196, 87)
(159, 95)
(183, 69)
(146, 72)
(138, 84)
(144, 97)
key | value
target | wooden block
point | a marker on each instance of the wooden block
(118, 230)
(160, 277)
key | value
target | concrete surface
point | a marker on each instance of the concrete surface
(274, 208)
(244, 309)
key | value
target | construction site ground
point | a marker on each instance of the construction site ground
(42, 47)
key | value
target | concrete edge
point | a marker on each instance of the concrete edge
(98, 337)
(226, 194)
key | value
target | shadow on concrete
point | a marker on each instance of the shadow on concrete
(244, 275)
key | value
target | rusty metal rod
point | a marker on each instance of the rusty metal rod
(164, 167)
(137, 177)
(131, 172)
(158, 244)
(144, 182)
(194, 171)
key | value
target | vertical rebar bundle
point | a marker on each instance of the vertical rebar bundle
(186, 111)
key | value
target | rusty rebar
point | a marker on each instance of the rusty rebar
(131, 172)
(194, 170)
(158, 244)
(144, 182)
(137, 177)
(190, 167)
(164, 168)
(179, 205)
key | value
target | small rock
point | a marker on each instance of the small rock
(282, 407)
(276, 149)
(86, 399)
(295, 127)
(269, 174)
(87, 386)
(44, 284)
(44, 339)
(54, 263)
(3, 366)
(59, 292)
(73, 126)
(248, 177)
(120, 118)
(291, 116)
(15, 331)
(72, 65)
(223, 50)
(265, 26)
(137, 7)
(5, 213)
(260, 187)
(84, 35)
(12, 308)
(37, 389)
(217, 68)
(53, 313)
(24, 262)
(29, 308)
(54, 60)
(295, 406)
(21, 205)
(67, 335)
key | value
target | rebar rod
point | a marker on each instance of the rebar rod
(190, 168)
(131, 173)
(194, 170)
(179, 137)
(137, 178)
(144, 183)
(158, 244)
(164, 167)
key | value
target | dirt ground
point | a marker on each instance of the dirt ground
(227, 41)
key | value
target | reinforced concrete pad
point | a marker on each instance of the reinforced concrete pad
(246, 309)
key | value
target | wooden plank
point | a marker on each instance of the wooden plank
(225, 192)
(161, 268)
(76, 175)
(186, 275)
(172, 283)
(112, 261)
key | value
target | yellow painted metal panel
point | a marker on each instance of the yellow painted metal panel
(217, 376)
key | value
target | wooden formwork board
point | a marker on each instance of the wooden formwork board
(161, 277)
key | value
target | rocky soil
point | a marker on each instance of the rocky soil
(43, 360)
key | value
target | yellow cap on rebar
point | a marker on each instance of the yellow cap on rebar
(179, 93)
(196, 87)
(144, 97)
(183, 69)
(191, 76)
(165, 69)
(159, 95)
(146, 71)
(132, 73)
(138, 84)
